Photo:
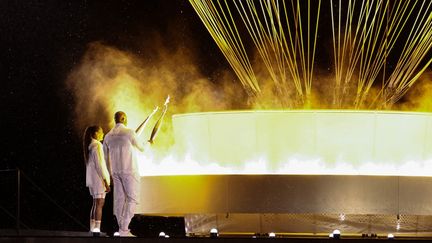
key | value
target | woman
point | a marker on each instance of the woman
(97, 176)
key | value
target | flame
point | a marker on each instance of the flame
(173, 164)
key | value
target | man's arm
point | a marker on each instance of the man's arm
(137, 144)
(141, 127)
(107, 157)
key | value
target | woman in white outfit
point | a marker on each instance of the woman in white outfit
(97, 175)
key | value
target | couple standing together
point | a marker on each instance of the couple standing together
(116, 159)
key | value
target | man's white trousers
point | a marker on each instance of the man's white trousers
(126, 194)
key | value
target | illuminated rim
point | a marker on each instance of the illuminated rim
(341, 142)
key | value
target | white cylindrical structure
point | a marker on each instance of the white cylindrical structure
(308, 141)
(296, 171)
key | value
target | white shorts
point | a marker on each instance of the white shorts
(96, 193)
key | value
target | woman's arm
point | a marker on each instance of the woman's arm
(101, 166)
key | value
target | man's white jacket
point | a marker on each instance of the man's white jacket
(120, 147)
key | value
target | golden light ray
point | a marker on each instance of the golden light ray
(364, 36)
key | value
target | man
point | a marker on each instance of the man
(120, 146)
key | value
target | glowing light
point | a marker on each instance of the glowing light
(299, 142)
(398, 224)
(272, 235)
(336, 234)
(111, 80)
(285, 40)
(214, 232)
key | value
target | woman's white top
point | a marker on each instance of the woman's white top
(97, 170)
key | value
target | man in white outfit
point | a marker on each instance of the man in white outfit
(120, 146)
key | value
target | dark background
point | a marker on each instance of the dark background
(40, 43)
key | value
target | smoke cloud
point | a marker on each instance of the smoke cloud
(108, 80)
(419, 96)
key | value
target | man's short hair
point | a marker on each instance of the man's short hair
(119, 117)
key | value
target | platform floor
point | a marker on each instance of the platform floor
(54, 239)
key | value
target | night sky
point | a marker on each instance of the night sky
(41, 42)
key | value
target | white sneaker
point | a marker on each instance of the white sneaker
(96, 232)
(126, 233)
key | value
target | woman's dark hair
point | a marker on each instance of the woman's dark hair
(89, 133)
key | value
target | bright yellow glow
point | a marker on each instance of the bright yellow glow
(285, 35)
(298, 142)
(108, 80)
(126, 97)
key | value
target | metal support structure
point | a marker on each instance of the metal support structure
(18, 213)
